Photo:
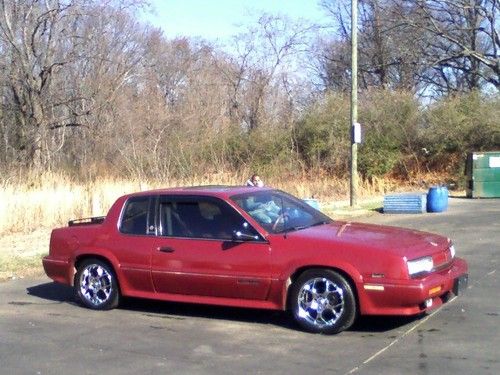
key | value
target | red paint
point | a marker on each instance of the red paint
(257, 273)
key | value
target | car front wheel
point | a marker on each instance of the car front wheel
(322, 301)
(96, 285)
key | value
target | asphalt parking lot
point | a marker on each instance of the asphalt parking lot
(42, 331)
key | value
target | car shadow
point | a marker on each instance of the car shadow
(56, 292)
(380, 324)
(166, 310)
(53, 292)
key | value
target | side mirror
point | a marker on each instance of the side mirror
(242, 236)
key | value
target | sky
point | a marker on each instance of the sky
(218, 20)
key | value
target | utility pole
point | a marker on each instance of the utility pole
(354, 102)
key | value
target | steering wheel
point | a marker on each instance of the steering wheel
(280, 219)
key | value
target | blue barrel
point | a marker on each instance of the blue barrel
(437, 199)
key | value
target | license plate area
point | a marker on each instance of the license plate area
(460, 284)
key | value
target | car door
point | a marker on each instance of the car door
(132, 246)
(195, 253)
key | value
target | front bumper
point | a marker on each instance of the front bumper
(414, 296)
(460, 284)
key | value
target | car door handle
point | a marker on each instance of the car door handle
(166, 249)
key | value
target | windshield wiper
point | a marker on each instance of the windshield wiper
(292, 229)
(300, 227)
(320, 223)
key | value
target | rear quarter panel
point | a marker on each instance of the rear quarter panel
(69, 244)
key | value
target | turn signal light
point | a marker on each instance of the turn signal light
(434, 290)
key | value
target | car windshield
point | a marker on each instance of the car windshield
(279, 212)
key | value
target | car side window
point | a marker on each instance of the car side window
(135, 216)
(200, 217)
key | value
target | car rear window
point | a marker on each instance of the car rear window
(135, 216)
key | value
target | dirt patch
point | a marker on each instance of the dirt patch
(21, 253)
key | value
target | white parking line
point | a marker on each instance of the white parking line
(395, 341)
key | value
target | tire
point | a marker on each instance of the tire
(322, 301)
(96, 286)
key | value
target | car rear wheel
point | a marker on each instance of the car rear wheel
(96, 285)
(322, 301)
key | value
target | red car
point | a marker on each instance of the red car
(252, 247)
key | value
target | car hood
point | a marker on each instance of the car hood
(399, 241)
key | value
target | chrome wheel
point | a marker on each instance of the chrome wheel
(96, 285)
(321, 302)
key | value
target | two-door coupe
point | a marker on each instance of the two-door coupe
(252, 247)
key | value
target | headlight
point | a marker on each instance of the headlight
(452, 251)
(420, 265)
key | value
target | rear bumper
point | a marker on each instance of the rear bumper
(412, 297)
(60, 270)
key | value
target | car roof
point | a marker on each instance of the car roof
(221, 191)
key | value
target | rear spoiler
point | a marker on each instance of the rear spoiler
(87, 220)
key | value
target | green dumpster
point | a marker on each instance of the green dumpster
(483, 174)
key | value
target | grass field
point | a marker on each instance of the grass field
(34, 205)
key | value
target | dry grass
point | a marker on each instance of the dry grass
(12, 267)
(21, 253)
(32, 205)
(50, 200)
(53, 199)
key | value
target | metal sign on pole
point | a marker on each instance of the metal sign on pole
(354, 104)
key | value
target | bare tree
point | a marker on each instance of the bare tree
(264, 59)
(30, 34)
(387, 54)
(111, 50)
(462, 45)
(59, 57)
(432, 47)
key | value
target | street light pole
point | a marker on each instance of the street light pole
(354, 102)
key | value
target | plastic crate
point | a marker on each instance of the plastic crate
(408, 203)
